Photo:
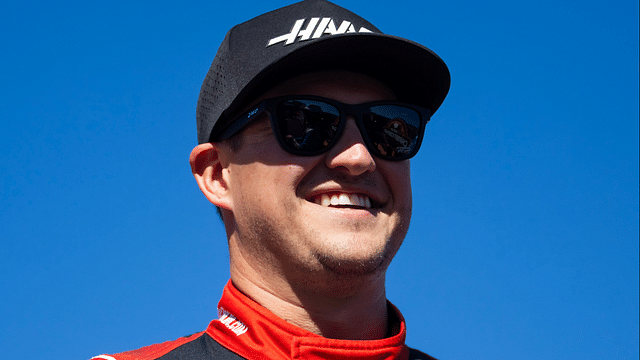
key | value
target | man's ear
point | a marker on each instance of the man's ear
(208, 168)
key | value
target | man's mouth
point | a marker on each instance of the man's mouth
(343, 200)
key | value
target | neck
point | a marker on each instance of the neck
(343, 307)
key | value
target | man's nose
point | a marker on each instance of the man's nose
(350, 152)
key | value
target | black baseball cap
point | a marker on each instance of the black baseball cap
(312, 35)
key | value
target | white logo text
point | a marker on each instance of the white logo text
(231, 322)
(324, 26)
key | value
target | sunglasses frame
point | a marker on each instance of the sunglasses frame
(355, 110)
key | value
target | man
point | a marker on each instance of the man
(306, 121)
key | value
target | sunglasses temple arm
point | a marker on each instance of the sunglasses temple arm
(240, 122)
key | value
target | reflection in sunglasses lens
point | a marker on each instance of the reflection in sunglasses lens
(308, 125)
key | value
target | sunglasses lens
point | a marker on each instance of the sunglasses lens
(307, 126)
(393, 130)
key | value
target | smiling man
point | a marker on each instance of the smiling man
(307, 120)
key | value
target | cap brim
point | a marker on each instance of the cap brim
(415, 73)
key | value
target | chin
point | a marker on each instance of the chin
(354, 267)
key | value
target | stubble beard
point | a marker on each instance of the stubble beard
(325, 268)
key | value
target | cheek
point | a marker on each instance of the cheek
(399, 177)
(263, 186)
(403, 199)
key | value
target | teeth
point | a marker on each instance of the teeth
(343, 200)
(355, 199)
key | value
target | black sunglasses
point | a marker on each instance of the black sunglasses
(311, 125)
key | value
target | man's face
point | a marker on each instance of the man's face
(283, 226)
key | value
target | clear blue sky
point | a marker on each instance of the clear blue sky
(524, 241)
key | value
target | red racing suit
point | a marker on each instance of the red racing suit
(246, 330)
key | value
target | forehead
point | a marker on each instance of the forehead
(345, 86)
